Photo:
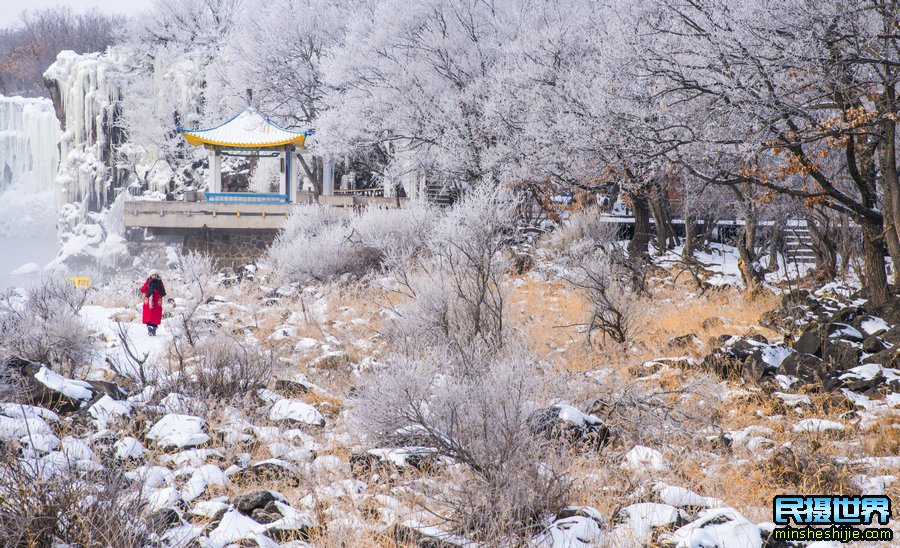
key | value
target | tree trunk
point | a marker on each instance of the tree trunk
(665, 234)
(824, 239)
(774, 238)
(891, 233)
(889, 178)
(746, 245)
(749, 239)
(875, 283)
(637, 247)
(690, 236)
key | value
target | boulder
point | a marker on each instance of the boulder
(42, 387)
(712, 323)
(868, 386)
(889, 357)
(810, 342)
(873, 344)
(567, 424)
(844, 331)
(257, 500)
(841, 355)
(807, 367)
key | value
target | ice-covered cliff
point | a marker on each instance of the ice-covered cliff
(86, 90)
(29, 156)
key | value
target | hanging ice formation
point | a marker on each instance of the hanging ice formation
(29, 156)
(85, 89)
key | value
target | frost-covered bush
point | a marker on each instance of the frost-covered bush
(455, 289)
(397, 235)
(46, 503)
(223, 367)
(42, 325)
(320, 243)
(579, 233)
(197, 275)
(608, 283)
(476, 413)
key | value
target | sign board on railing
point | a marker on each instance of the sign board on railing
(81, 282)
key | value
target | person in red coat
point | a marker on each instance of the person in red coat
(153, 291)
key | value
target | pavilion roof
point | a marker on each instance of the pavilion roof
(249, 129)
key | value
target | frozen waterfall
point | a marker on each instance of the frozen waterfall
(29, 157)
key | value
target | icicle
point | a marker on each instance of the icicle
(29, 156)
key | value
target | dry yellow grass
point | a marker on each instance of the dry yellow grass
(547, 315)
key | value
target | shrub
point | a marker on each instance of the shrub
(218, 367)
(42, 325)
(616, 307)
(226, 368)
(44, 507)
(455, 288)
(475, 412)
(581, 232)
(197, 273)
(320, 243)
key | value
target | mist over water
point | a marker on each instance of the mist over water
(17, 251)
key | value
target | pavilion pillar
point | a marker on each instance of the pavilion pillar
(328, 176)
(282, 182)
(287, 183)
(215, 170)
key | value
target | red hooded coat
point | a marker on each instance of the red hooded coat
(152, 304)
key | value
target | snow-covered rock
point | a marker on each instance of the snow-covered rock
(43, 443)
(128, 448)
(178, 431)
(817, 425)
(18, 410)
(77, 449)
(16, 427)
(643, 517)
(296, 411)
(234, 526)
(160, 499)
(644, 459)
(573, 527)
(209, 508)
(680, 497)
(76, 390)
(208, 475)
(715, 529)
(107, 410)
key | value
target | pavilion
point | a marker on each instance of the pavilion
(249, 134)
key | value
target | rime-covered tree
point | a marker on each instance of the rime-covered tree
(413, 78)
(794, 98)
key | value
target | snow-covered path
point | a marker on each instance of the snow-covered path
(103, 320)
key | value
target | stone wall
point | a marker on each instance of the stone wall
(229, 248)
